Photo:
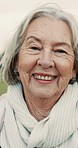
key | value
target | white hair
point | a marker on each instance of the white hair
(11, 54)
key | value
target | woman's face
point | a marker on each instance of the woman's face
(46, 58)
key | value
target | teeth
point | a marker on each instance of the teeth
(44, 77)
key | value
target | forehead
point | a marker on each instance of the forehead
(48, 21)
(46, 27)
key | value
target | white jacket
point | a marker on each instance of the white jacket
(19, 129)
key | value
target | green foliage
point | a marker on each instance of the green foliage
(3, 87)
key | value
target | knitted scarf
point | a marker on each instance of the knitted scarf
(19, 129)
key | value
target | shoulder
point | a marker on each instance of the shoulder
(2, 96)
(2, 109)
(2, 100)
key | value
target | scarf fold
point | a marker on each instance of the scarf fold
(18, 128)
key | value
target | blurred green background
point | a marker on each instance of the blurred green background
(3, 87)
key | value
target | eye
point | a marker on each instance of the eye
(60, 51)
(35, 48)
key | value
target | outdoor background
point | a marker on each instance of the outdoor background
(12, 13)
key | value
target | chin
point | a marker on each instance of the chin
(43, 95)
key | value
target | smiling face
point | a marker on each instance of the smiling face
(46, 59)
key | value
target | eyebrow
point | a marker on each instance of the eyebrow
(33, 37)
(62, 44)
(56, 44)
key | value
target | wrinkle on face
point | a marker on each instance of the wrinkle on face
(44, 42)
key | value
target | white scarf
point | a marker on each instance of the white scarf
(19, 129)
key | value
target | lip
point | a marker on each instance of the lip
(43, 74)
(41, 81)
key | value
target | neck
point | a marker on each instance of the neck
(40, 108)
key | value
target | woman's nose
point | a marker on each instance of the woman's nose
(46, 60)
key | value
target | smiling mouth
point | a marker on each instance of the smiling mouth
(44, 77)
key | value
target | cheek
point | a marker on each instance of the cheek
(65, 67)
(26, 63)
(25, 67)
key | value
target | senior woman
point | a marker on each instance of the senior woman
(40, 108)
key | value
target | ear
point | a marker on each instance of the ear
(74, 72)
(17, 70)
(16, 65)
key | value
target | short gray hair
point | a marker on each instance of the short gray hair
(11, 54)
